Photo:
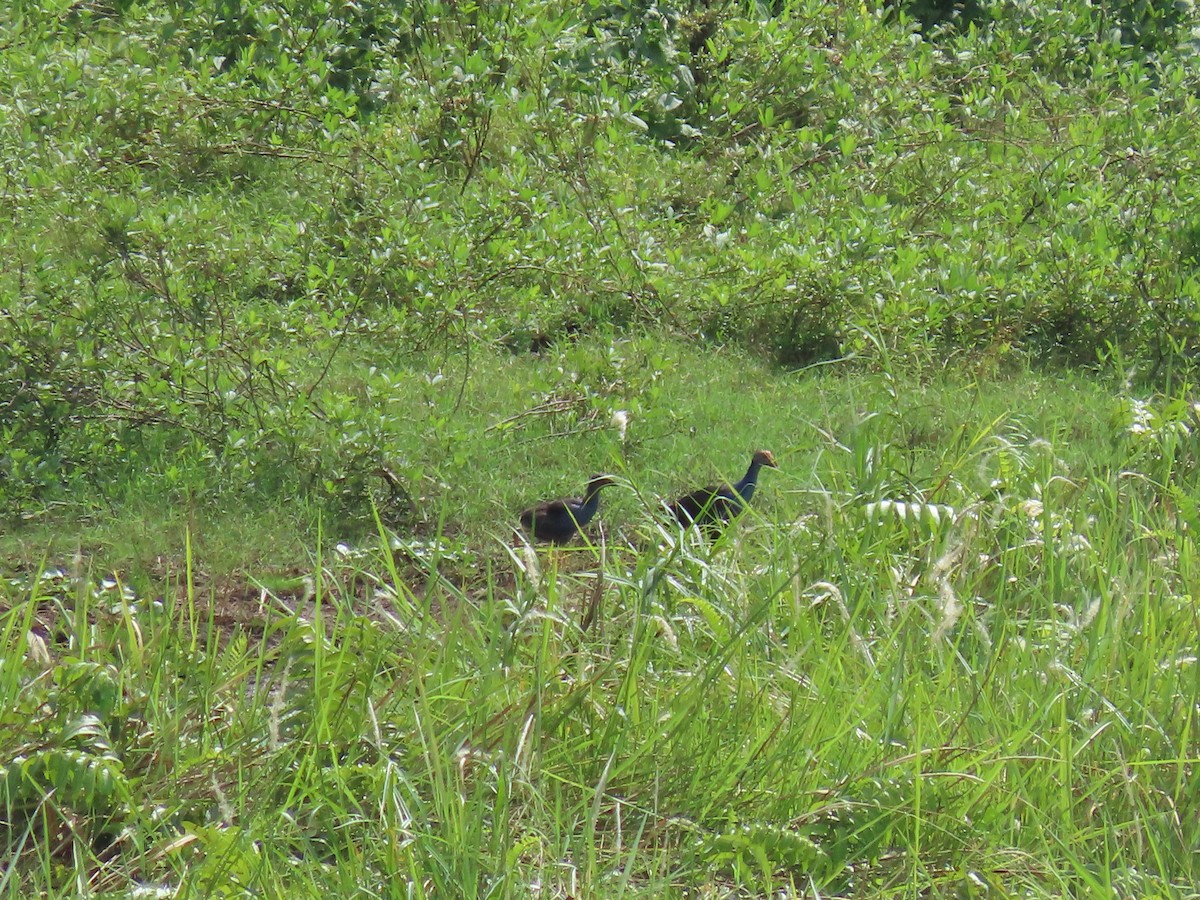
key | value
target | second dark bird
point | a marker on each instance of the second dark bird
(558, 521)
(712, 507)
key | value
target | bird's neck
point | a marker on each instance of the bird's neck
(591, 499)
(746, 486)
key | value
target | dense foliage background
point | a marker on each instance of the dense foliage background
(302, 300)
(212, 206)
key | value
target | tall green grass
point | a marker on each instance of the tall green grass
(966, 670)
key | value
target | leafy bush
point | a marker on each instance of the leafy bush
(221, 204)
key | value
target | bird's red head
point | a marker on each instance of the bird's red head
(766, 458)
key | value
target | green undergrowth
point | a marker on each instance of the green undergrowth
(303, 301)
(471, 447)
(951, 652)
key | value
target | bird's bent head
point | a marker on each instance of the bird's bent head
(598, 481)
(765, 458)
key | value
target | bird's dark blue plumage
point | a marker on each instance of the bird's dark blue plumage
(558, 521)
(712, 507)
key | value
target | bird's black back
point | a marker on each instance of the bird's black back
(555, 521)
(709, 507)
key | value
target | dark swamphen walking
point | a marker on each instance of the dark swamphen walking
(712, 507)
(558, 521)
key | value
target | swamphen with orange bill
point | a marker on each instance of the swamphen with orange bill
(712, 507)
